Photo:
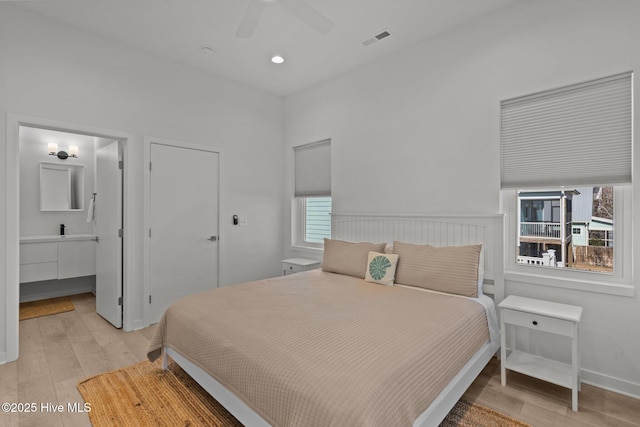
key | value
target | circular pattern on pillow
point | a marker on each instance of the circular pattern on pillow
(378, 267)
(381, 268)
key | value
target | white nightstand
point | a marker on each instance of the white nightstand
(296, 265)
(555, 318)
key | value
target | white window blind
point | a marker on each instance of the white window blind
(575, 135)
(313, 169)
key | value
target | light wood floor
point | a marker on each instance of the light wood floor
(56, 352)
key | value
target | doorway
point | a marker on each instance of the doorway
(9, 331)
(90, 232)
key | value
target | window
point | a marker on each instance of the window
(317, 220)
(557, 148)
(603, 258)
(312, 194)
(551, 224)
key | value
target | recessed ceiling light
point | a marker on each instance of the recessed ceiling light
(277, 59)
(206, 50)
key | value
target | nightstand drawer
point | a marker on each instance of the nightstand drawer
(539, 322)
(292, 268)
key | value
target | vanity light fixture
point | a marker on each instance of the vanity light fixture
(62, 155)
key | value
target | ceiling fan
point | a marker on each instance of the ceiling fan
(300, 8)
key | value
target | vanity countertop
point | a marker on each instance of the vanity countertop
(57, 238)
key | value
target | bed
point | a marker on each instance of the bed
(327, 347)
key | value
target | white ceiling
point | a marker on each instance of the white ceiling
(178, 29)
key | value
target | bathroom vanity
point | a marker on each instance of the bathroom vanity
(57, 257)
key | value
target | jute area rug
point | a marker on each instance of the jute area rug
(46, 307)
(145, 395)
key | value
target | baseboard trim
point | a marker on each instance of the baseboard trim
(138, 324)
(616, 385)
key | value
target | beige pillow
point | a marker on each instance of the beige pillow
(381, 268)
(347, 257)
(452, 269)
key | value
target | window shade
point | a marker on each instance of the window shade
(313, 169)
(575, 135)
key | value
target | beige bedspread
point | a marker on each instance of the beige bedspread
(323, 349)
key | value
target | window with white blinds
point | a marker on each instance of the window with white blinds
(313, 193)
(313, 169)
(570, 149)
(575, 135)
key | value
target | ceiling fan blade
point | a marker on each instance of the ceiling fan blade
(309, 15)
(250, 19)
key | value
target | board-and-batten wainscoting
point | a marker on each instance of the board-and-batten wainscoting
(436, 230)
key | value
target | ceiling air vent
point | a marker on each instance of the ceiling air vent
(381, 35)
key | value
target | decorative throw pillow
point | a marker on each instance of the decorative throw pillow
(381, 268)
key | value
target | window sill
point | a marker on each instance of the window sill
(619, 289)
(307, 249)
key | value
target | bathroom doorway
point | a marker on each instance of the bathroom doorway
(10, 300)
(71, 215)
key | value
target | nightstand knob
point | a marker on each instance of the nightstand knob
(535, 323)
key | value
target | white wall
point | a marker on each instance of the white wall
(53, 71)
(418, 131)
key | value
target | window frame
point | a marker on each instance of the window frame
(620, 282)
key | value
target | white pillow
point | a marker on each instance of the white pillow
(381, 268)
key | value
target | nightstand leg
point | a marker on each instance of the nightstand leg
(165, 359)
(575, 357)
(503, 353)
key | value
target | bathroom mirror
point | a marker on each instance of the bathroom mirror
(61, 187)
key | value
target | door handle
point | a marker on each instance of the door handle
(213, 238)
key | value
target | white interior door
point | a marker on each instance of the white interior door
(108, 221)
(183, 248)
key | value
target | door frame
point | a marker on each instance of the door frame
(12, 219)
(148, 140)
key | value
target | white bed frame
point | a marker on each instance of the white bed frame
(437, 230)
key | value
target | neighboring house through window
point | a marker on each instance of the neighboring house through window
(560, 228)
